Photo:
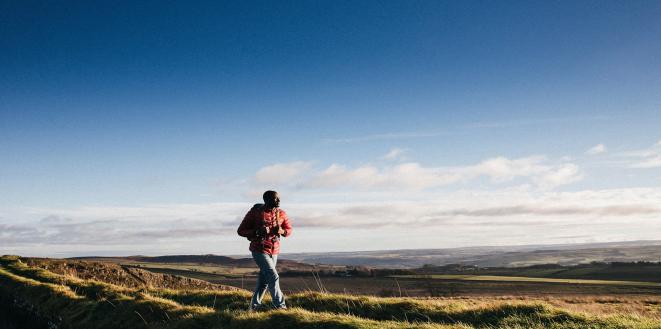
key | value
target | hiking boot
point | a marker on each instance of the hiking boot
(258, 308)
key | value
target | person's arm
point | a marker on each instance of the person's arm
(285, 227)
(247, 228)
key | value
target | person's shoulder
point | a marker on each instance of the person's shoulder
(256, 208)
(282, 212)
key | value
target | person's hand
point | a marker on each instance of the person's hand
(281, 231)
(263, 231)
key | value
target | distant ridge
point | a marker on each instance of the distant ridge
(492, 256)
(194, 259)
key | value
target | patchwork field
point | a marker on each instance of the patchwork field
(35, 297)
(470, 277)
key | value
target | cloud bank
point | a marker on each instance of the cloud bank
(536, 170)
(453, 218)
(389, 203)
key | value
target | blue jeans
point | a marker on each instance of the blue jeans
(268, 279)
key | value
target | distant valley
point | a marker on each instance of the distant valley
(501, 256)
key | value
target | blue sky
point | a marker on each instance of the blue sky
(160, 122)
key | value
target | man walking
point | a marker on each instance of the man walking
(263, 225)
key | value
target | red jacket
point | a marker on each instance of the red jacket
(258, 217)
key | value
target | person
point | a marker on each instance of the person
(263, 225)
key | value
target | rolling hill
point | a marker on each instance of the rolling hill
(33, 296)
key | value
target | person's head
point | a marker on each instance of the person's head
(271, 199)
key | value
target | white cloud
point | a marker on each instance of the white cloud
(281, 172)
(535, 168)
(414, 176)
(597, 149)
(558, 176)
(501, 169)
(645, 158)
(395, 154)
(649, 162)
(403, 176)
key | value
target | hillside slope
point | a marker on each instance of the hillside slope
(125, 276)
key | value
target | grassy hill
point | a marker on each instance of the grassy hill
(35, 296)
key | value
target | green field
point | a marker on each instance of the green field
(226, 271)
(64, 301)
(632, 271)
(467, 277)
